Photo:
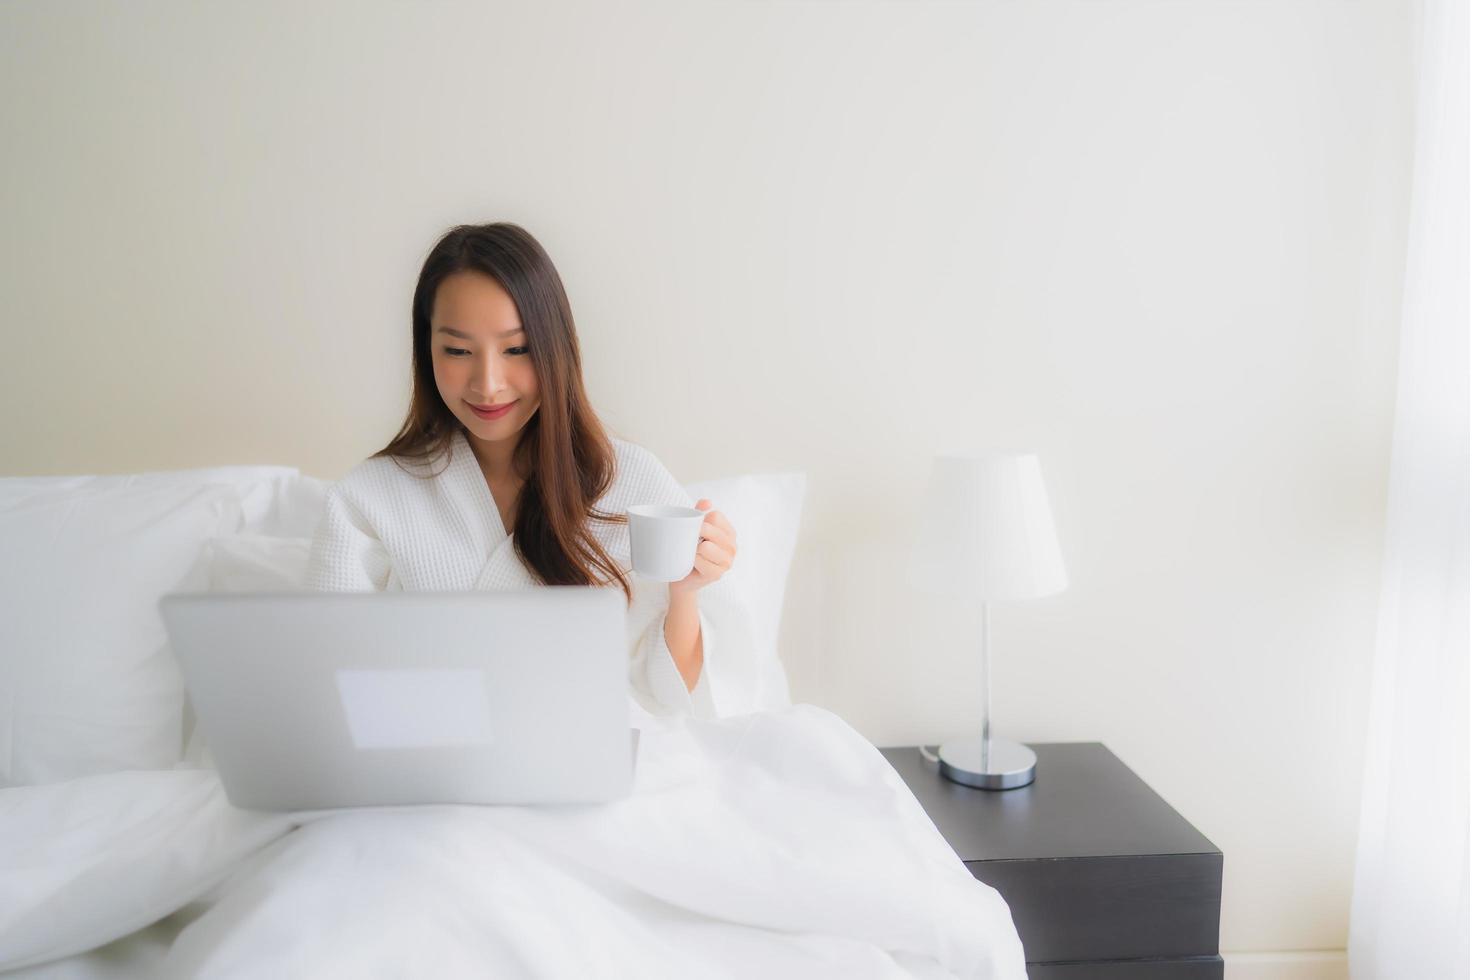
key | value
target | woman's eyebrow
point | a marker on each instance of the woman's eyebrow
(456, 333)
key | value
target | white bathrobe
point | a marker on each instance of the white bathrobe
(391, 527)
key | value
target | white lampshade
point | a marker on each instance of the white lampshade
(986, 530)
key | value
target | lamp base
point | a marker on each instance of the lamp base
(1010, 764)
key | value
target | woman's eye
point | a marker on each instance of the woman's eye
(460, 352)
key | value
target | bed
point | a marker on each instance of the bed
(778, 843)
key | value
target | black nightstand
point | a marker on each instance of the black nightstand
(1105, 880)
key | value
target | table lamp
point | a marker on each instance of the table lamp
(986, 533)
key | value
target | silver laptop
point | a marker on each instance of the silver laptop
(311, 700)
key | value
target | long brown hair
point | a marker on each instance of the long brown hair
(564, 455)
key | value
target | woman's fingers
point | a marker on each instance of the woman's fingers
(714, 554)
(719, 530)
(717, 541)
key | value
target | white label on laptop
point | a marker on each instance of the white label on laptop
(411, 709)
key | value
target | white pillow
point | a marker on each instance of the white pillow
(285, 507)
(765, 510)
(276, 500)
(88, 683)
(257, 563)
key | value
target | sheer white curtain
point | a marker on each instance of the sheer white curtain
(1411, 894)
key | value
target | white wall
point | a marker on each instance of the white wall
(1156, 242)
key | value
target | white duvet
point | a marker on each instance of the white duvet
(776, 844)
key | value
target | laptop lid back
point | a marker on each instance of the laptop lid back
(324, 699)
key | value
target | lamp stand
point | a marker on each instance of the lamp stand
(982, 761)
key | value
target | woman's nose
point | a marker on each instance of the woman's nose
(489, 377)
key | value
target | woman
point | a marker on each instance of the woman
(502, 477)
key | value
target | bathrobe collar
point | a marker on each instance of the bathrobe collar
(465, 484)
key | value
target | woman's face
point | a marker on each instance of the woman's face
(480, 356)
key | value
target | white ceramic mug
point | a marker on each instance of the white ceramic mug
(664, 540)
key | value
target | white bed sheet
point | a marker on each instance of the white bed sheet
(777, 844)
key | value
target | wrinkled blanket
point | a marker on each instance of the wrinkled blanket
(775, 844)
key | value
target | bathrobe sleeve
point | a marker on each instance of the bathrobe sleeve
(346, 553)
(654, 675)
(724, 621)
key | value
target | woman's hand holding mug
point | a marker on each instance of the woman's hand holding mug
(689, 548)
(715, 554)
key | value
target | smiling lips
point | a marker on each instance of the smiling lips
(493, 412)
